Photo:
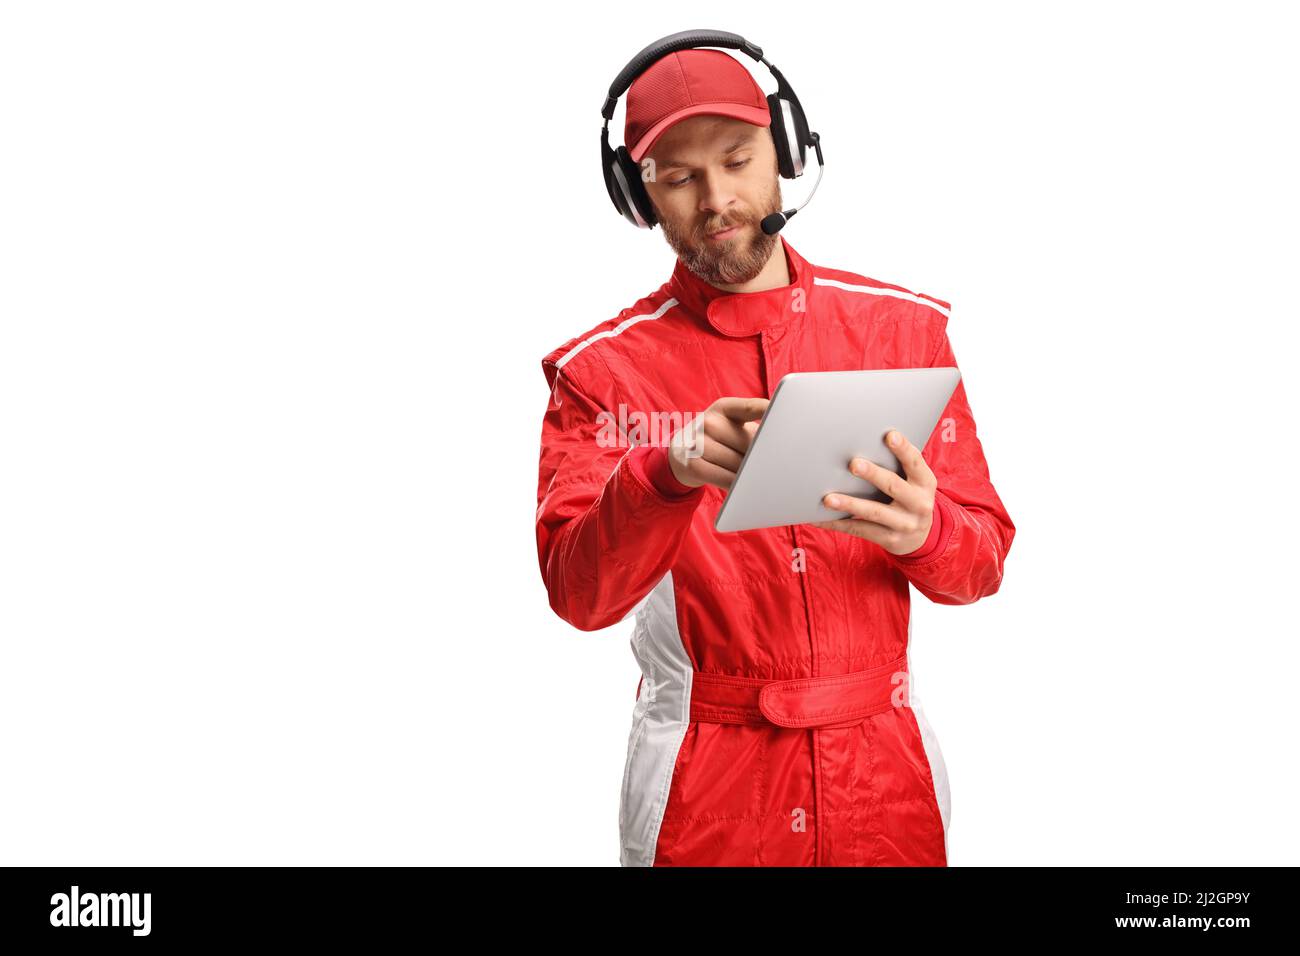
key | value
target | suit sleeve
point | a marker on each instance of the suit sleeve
(965, 562)
(605, 534)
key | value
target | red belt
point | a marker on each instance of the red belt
(840, 700)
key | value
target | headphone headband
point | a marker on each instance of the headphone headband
(685, 40)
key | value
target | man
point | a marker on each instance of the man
(773, 724)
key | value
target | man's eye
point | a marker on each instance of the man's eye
(675, 183)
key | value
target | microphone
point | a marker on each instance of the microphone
(774, 223)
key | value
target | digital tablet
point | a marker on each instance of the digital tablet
(816, 423)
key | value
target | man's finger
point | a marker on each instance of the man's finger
(910, 457)
(742, 409)
(867, 510)
(907, 495)
(734, 435)
(710, 474)
(720, 454)
(863, 529)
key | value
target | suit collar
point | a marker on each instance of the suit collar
(746, 313)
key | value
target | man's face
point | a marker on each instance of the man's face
(711, 174)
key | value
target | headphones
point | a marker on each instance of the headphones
(789, 128)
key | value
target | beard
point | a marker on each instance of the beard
(732, 261)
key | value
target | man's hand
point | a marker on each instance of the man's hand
(708, 450)
(901, 526)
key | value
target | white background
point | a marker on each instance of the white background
(275, 283)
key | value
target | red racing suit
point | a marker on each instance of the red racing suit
(773, 725)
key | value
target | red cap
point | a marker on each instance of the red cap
(689, 83)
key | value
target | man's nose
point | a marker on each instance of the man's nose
(719, 193)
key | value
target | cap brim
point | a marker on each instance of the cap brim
(749, 114)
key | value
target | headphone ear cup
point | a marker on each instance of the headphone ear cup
(631, 197)
(608, 169)
(616, 194)
(783, 161)
(636, 206)
(789, 133)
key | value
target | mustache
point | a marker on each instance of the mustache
(711, 227)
